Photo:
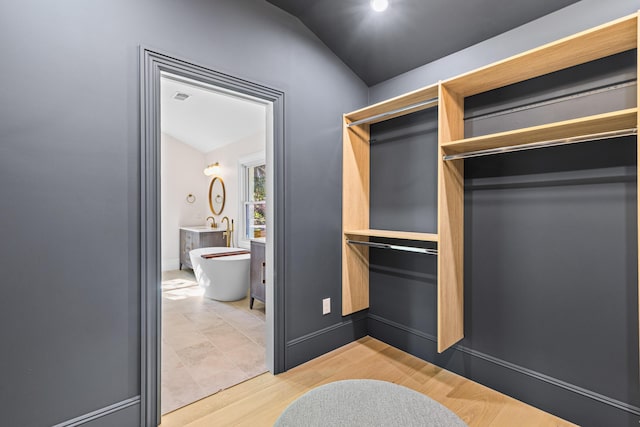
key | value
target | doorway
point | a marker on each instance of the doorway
(213, 202)
(155, 66)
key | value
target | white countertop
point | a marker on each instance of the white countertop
(201, 228)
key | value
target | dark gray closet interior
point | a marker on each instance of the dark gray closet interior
(551, 297)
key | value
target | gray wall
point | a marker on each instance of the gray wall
(405, 199)
(551, 294)
(69, 174)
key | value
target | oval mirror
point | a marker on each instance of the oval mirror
(217, 195)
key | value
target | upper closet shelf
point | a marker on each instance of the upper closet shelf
(397, 112)
(390, 234)
(576, 130)
(411, 102)
(599, 42)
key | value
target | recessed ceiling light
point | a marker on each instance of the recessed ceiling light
(379, 5)
(181, 96)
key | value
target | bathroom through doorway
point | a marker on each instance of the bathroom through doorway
(213, 237)
(154, 67)
(214, 204)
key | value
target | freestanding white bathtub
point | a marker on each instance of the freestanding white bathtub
(224, 278)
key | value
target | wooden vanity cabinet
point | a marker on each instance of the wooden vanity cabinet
(191, 239)
(257, 272)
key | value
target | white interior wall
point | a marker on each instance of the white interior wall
(229, 156)
(181, 175)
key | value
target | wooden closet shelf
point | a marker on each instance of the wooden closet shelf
(399, 102)
(617, 120)
(605, 40)
(599, 42)
(391, 234)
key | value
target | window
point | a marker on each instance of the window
(254, 219)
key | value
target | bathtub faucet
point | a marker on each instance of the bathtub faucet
(229, 233)
(213, 224)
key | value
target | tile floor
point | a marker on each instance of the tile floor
(207, 345)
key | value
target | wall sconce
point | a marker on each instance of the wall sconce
(212, 169)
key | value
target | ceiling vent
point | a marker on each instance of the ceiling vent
(181, 96)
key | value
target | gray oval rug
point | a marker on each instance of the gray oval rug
(366, 403)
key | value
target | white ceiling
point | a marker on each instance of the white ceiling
(208, 119)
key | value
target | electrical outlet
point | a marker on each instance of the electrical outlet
(326, 306)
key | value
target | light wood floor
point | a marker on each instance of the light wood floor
(259, 401)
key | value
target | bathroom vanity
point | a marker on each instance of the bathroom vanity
(198, 237)
(258, 271)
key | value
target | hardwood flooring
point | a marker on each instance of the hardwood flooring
(259, 401)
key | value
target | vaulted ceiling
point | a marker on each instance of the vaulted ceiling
(410, 33)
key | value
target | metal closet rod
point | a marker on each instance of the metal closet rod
(395, 247)
(542, 144)
(426, 103)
